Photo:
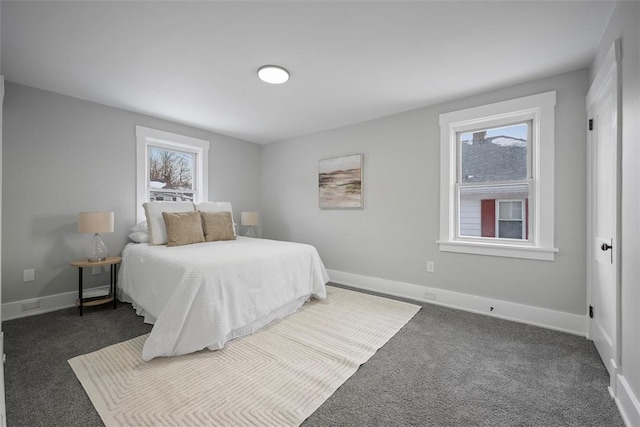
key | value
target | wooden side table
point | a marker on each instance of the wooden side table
(112, 262)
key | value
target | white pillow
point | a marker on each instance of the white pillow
(141, 226)
(217, 207)
(139, 236)
(155, 221)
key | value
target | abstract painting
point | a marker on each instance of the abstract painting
(340, 182)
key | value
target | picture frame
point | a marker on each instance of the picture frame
(340, 182)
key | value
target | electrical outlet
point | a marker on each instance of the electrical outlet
(431, 267)
(30, 305)
(430, 295)
(29, 275)
(96, 270)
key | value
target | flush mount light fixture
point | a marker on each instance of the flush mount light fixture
(273, 74)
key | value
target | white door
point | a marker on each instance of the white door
(603, 241)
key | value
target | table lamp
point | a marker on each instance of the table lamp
(249, 219)
(96, 223)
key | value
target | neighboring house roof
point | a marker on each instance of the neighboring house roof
(495, 158)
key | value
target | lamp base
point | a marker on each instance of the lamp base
(97, 250)
(250, 232)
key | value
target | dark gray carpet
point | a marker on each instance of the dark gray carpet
(444, 368)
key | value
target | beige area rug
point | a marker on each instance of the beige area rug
(276, 377)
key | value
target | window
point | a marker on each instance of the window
(170, 174)
(494, 166)
(510, 220)
(170, 167)
(497, 179)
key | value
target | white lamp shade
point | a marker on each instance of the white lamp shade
(249, 218)
(95, 222)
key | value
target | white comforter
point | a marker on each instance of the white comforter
(202, 295)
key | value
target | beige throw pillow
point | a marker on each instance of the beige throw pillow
(155, 221)
(217, 207)
(183, 228)
(217, 226)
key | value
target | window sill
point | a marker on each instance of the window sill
(499, 250)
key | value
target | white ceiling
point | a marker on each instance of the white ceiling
(195, 62)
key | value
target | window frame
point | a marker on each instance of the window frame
(540, 110)
(146, 137)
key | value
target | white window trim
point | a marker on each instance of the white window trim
(540, 108)
(172, 141)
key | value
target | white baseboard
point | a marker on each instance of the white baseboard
(551, 319)
(557, 320)
(14, 310)
(628, 403)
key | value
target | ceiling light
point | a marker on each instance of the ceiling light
(273, 74)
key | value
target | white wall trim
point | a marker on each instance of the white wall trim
(13, 310)
(537, 316)
(628, 403)
(501, 250)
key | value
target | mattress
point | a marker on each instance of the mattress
(203, 295)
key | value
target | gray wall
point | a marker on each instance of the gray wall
(625, 24)
(395, 235)
(62, 155)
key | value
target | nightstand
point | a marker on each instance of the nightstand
(112, 262)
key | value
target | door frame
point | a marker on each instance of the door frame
(3, 407)
(610, 70)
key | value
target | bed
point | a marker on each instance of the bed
(202, 295)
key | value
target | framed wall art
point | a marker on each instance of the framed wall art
(340, 182)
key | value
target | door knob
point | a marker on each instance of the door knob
(605, 246)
